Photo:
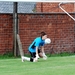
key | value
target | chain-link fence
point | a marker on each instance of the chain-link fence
(23, 7)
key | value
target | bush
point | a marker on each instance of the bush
(7, 55)
(61, 54)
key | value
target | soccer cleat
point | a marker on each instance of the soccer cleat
(22, 58)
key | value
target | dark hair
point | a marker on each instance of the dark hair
(42, 34)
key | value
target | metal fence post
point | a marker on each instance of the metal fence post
(15, 28)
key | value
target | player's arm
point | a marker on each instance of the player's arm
(36, 50)
(37, 55)
(43, 52)
(42, 48)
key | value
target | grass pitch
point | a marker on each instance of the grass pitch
(51, 66)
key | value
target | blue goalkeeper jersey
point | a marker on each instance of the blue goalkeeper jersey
(36, 43)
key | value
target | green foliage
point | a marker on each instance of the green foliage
(7, 55)
(61, 54)
(10, 55)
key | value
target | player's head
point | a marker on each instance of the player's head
(43, 35)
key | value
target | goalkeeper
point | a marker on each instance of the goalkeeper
(34, 50)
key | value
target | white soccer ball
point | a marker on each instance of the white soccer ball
(47, 41)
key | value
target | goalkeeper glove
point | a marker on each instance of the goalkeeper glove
(44, 56)
(37, 56)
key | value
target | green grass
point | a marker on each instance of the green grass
(52, 66)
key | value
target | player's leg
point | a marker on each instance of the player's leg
(25, 58)
(40, 53)
(33, 57)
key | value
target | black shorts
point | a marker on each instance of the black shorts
(33, 55)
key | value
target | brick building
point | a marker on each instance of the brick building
(49, 18)
(54, 7)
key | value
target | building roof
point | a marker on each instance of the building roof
(23, 7)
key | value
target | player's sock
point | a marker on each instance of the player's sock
(22, 58)
(25, 58)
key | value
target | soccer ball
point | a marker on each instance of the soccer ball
(47, 41)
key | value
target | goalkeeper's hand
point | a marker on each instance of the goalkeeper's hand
(35, 59)
(44, 56)
(37, 56)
